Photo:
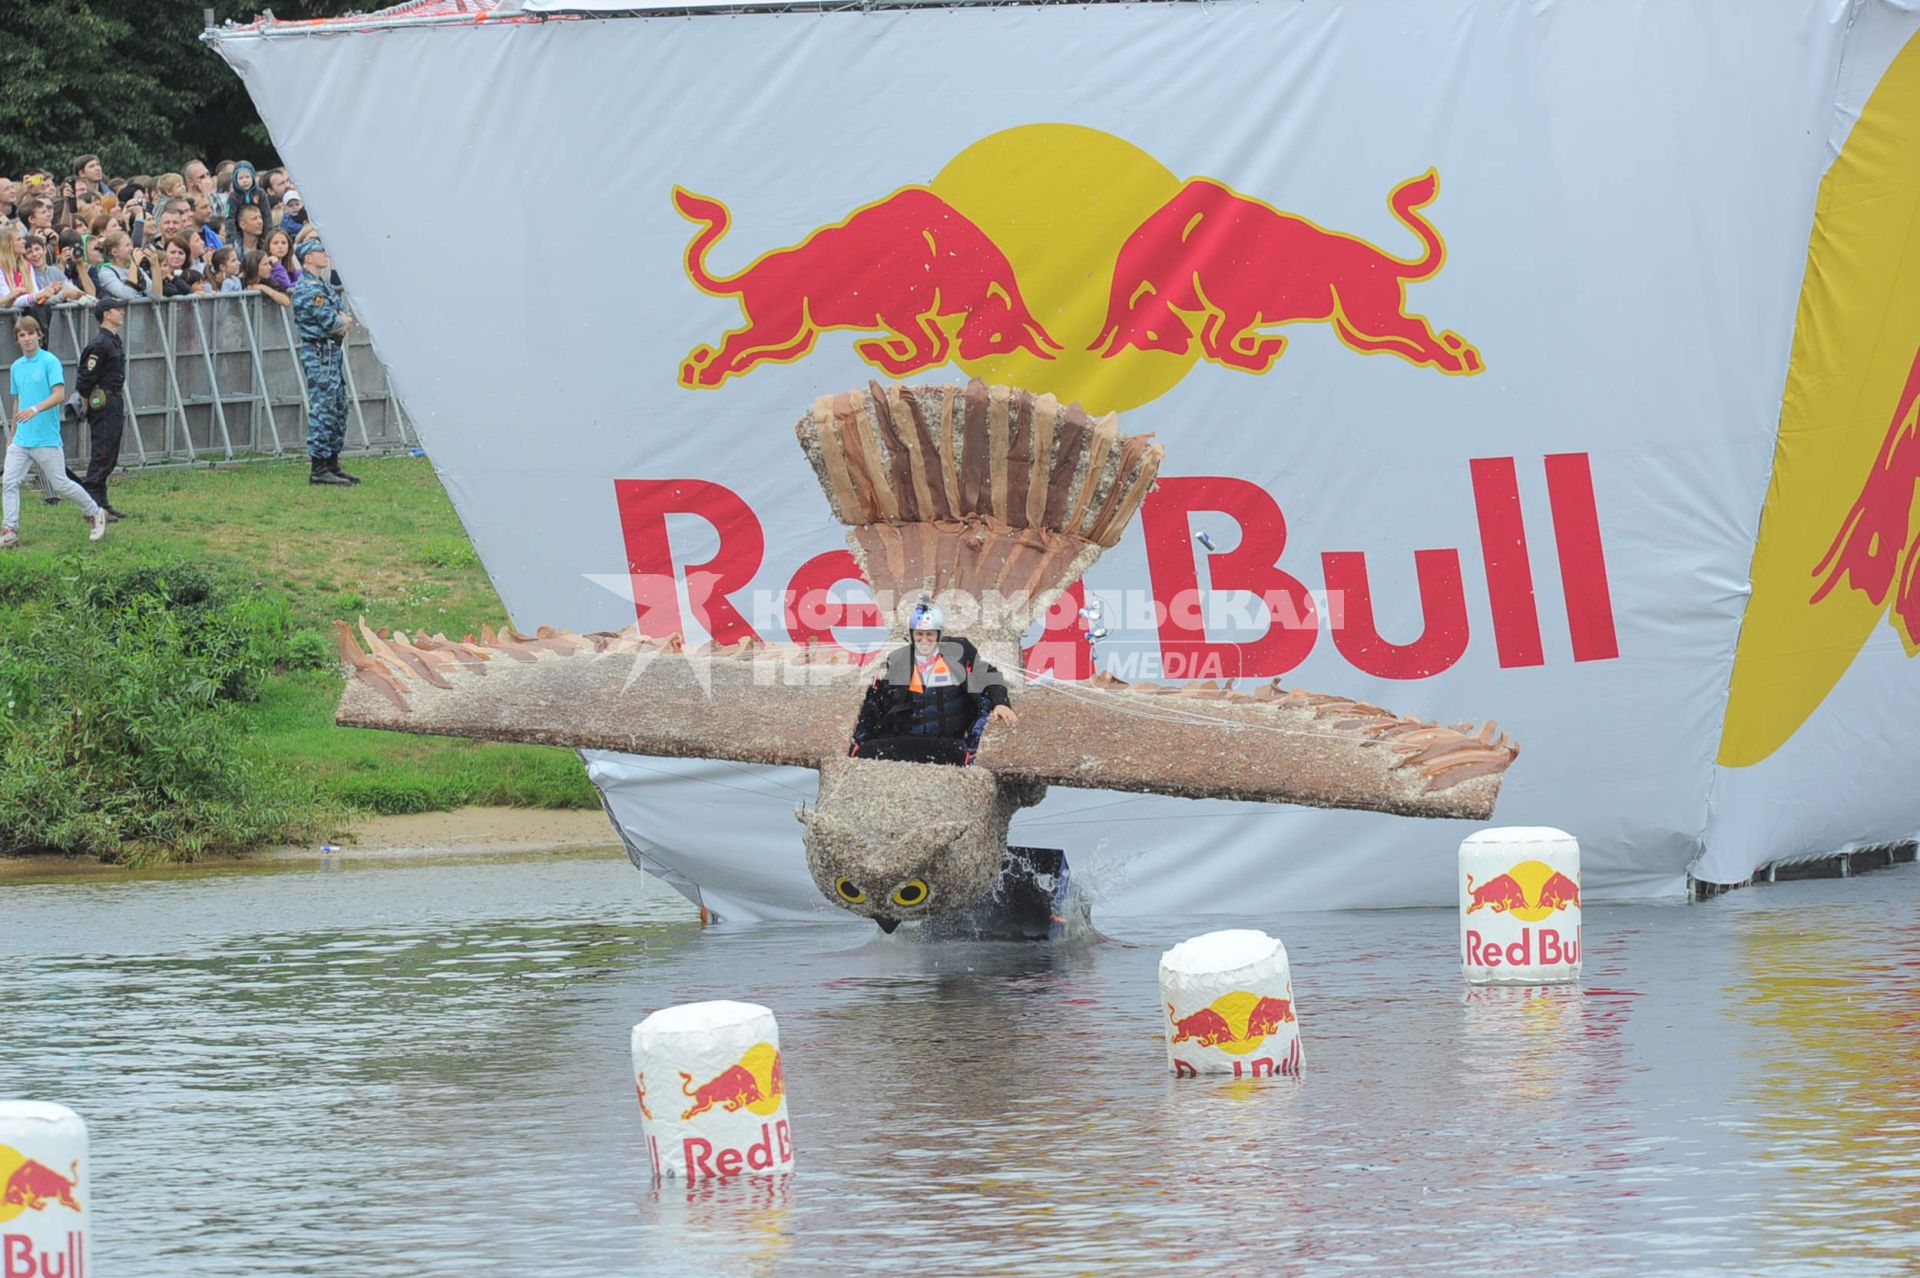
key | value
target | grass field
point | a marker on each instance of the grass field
(391, 550)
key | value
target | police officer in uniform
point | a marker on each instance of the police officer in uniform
(322, 322)
(102, 385)
(932, 699)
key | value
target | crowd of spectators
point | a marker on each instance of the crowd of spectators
(108, 241)
(86, 235)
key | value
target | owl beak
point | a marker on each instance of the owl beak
(887, 925)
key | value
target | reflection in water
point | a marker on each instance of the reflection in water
(1836, 1077)
(749, 1212)
(424, 1070)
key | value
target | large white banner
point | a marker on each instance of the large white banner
(1465, 327)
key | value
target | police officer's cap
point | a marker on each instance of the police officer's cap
(307, 246)
(108, 302)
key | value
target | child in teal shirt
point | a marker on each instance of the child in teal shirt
(39, 389)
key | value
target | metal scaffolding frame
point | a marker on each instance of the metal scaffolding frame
(214, 378)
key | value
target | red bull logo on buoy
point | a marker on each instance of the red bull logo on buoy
(755, 1083)
(29, 1185)
(1239, 1023)
(1544, 900)
(1531, 890)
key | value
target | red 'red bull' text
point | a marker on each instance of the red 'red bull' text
(1543, 945)
(1254, 1067)
(1251, 569)
(19, 1258)
(773, 1149)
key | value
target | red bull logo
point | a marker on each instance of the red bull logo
(1530, 892)
(755, 1084)
(1105, 288)
(1503, 893)
(30, 1185)
(1855, 538)
(1838, 552)
(1238, 1023)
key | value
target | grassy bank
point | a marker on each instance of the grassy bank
(391, 550)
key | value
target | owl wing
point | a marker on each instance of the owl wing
(1274, 745)
(745, 702)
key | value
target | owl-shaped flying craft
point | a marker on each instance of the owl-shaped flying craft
(960, 495)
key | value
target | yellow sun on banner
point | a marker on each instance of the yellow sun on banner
(1837, 549)
(1060, 200)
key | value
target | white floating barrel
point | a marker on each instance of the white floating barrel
(1228, 998)
(713, 1097)
(44, 1190)
(1520, 906)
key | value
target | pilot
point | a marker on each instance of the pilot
(932, 699)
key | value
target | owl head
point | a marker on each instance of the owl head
(894, 842)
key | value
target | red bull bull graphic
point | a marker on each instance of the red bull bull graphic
(1241, 266)
(42, 1230)
(1503, 892)
(1108, 302)
(1521, 923)
(908, 266)
(32, 1185)
(735, 1089)
(1876, 545)
(1238, 1023)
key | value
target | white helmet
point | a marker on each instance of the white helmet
(927, 616)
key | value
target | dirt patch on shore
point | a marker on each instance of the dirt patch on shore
(462, 832)
(481, 830)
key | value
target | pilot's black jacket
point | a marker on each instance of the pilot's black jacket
(941, 723)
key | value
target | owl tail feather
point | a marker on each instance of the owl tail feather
(991, 494)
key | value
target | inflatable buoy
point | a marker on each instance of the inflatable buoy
(45, 1189)
(1228, 999)
(713, 1094)
(1520, 906)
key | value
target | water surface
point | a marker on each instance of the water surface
(420, 1068)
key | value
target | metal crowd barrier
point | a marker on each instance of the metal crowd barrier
(214, 378)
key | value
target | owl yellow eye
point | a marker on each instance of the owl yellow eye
(912, 892)
(848, 892)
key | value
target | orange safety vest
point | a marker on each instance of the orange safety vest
(938, 672)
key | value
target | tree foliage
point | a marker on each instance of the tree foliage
(129, 81)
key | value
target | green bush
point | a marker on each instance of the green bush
(118, 738)
(312, 650)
